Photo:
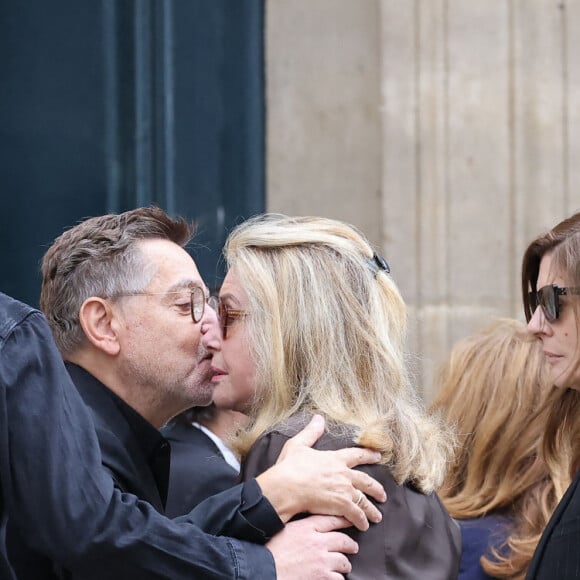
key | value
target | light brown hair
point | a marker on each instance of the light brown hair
(495, 389)
(100, 257)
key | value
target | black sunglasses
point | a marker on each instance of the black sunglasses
(226, 315)
(548, 297)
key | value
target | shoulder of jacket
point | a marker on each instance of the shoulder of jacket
(14, 313)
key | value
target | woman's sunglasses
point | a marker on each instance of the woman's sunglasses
(548, 297)
(225, 314)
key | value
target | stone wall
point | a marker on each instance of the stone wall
(446, 130)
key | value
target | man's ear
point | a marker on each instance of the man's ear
(98, 321)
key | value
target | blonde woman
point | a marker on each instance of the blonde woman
(494, 388)
(312, 322)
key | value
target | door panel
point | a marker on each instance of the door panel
(110, 105)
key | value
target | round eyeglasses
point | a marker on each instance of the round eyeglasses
(197, 299)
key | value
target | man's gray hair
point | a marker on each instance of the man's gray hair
(100, 257)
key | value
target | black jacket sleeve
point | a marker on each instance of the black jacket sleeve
(240, 512)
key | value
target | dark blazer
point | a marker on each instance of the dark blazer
(198, 469)
(416, 540)
(557, 556)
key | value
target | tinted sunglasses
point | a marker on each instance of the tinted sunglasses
(226, 315)
(548, 297)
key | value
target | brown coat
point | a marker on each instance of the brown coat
(416, 540)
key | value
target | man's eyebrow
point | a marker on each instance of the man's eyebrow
(188, 285)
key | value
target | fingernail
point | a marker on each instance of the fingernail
(318, 420)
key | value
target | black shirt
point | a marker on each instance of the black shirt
(154, 446)
(134, 452)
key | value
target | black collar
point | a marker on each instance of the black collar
(153, 446)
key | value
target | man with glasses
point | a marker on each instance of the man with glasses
(127, 308)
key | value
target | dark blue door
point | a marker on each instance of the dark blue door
(114, 104)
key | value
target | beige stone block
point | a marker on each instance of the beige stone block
(323, 107)
(447, 130)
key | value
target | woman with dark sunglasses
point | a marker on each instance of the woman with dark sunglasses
(550, 284)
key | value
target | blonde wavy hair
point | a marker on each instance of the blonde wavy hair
(495, 389)
(328, 330)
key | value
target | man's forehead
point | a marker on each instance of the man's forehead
(168, 279)
(174, 267)
(187, 284)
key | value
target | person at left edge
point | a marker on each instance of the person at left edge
(55, 491)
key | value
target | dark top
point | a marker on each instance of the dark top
(198, 468)
(478, 536)
(416, 540)
(137, 457)
(558, 553)
(134, 452)
(55, 491)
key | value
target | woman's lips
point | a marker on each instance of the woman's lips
(217, 373)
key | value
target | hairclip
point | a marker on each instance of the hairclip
(378, 263)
